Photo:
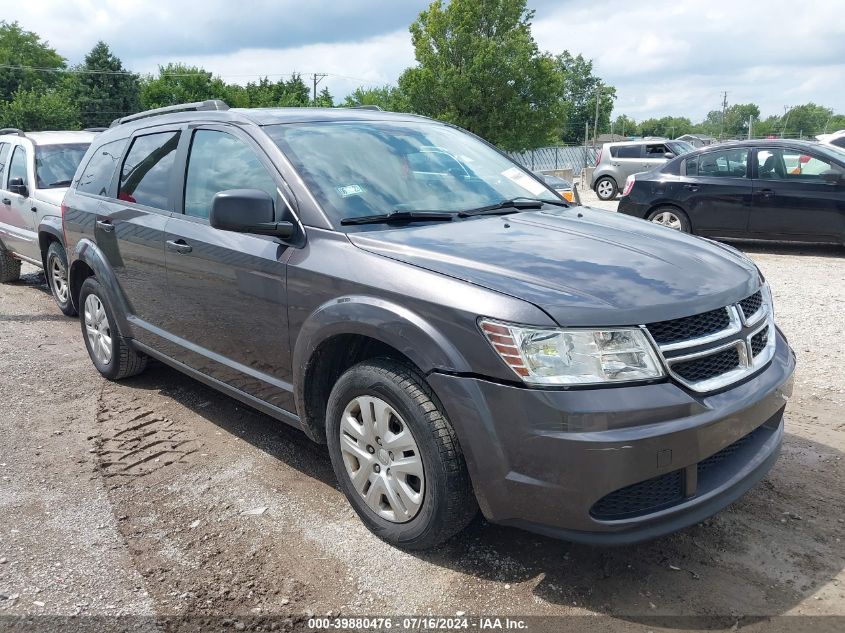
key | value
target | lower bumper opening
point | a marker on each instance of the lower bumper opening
(672, 488)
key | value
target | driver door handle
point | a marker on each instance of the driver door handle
(767, 193)
(691, 187)
(6, 201)
(179, 246)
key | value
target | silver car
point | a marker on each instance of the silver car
(35, 171)
(617, 161)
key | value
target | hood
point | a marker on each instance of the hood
(51, 196)
(582, 266)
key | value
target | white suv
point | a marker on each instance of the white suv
(35, 171)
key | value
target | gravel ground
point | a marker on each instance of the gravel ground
(160, 496)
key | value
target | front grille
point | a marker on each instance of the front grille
(759, 340)
(751, 304)
(641, 498)
(707, 367)
(666, 332)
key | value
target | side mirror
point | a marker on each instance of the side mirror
(669, 155)
(16, 185)
(247, 211)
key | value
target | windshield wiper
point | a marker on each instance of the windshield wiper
(398, 216)
(514, 205)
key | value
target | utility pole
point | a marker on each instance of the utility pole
(317, 77)
(750, 123)
(596, 120)
(787, 110)
(724, 110)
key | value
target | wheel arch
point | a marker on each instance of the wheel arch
(348, 330)
(49, 231)
(88, 261)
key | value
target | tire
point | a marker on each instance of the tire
(671, 217)
(10, 268)
(445, 502)
(606, 188)
(108, 350)
(57, 278)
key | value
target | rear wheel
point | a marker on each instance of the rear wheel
(606, 188)
(671, 217)
(10, 268)
(109, 352)
(396, 456)
(57, 278)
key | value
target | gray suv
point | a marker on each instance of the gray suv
(35, 171)
(617, 161)
(455, 333)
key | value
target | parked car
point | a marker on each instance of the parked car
(765, 189)
(458, 341)
(560, 185)
(35, 171)
(834, 138)
(617, 161)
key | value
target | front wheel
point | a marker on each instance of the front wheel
(670, 217)
(396, 455)
(57, 278)
(606, 188)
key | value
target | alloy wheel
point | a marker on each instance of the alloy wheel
(667, 218)
(605, 189)
(58, 280)
(98, 329)
(382, 459)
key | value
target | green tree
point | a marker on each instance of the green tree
(103, 89)
(25, 48)
(273, 94)
(177, 83)
(386, 97)
(625, 126)
(667, 126)
(807, 120)
(479, 67)
(579, 90)
(38, 109)
(736, 119)
(324, 99)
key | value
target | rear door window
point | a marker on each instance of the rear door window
(98, 173)
(145, 177)
(626, 151)
(655, 150)
(17, 168)
(728, 163)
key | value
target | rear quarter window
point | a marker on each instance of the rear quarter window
(98, 174)
(626, 151)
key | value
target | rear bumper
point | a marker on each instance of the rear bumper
(627, 206)
(616, 465)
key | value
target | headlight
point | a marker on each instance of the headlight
(574, 356)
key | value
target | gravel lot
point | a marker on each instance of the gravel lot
(159, 496)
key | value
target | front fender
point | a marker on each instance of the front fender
(49, 228)
(86, 253)
(378, 319)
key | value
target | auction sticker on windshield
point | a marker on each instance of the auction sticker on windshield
(525, 181)
(350, 190)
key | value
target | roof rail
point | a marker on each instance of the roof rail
(367, 107)
(94, 129)
(12, 130)
(209, 104)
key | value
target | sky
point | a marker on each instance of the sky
(665, 58)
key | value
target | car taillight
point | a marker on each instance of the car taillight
(629, 184)
(598, 156)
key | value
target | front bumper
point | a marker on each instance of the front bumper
(581, 464)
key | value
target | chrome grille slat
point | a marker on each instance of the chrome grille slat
(706, 359)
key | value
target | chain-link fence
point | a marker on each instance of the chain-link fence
(574, 157)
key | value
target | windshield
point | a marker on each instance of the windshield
(680, 147)
(361, 168)
(56, 164)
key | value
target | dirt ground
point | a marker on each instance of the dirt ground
(159, 496)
